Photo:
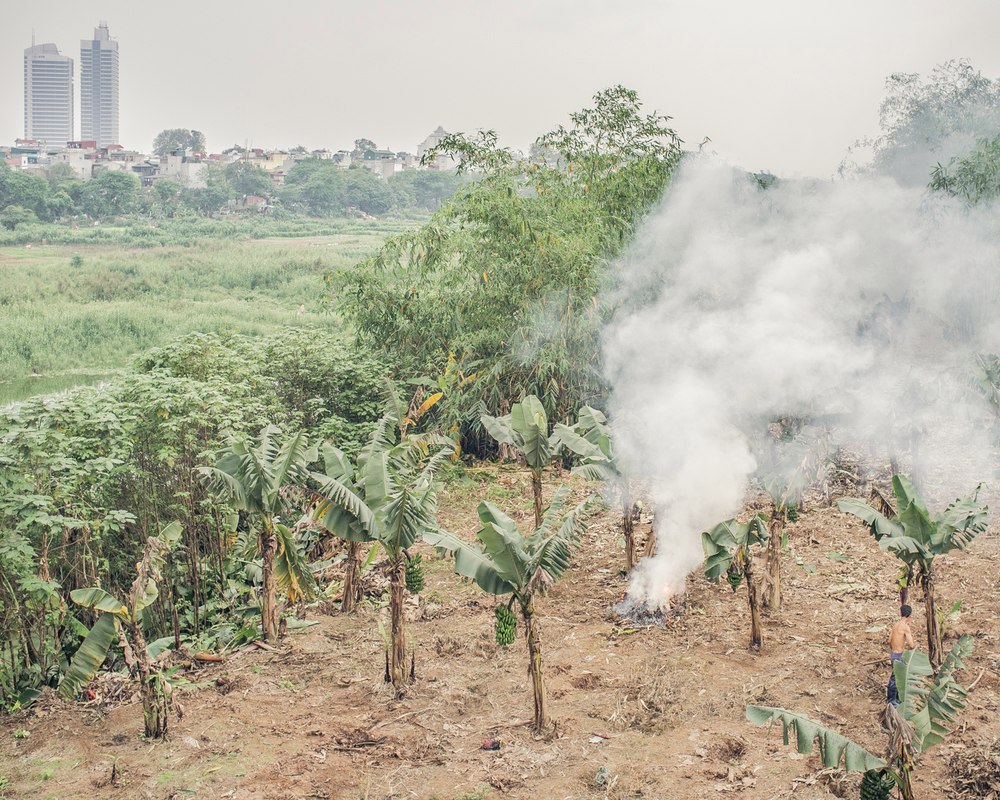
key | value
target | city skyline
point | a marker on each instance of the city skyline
(776, 85)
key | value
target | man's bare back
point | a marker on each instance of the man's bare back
(901, 637)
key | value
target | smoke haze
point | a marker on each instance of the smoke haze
(859, 301)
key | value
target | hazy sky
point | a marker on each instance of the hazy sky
(783, 85)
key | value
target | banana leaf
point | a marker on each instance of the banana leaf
(471, 562)
(530, 423)
(89, 657)
(98, 599)
(835, 748)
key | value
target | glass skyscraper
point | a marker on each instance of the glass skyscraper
(99, 88)
(48, 95)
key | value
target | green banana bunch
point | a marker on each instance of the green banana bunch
(414, 574)
(505, 626)
(876, 785)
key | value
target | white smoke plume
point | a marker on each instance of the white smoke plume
(859, 300)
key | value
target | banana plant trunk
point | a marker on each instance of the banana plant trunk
(352, 582)
(536, 492)
(541, 721)
(773, 597)
(268, 613)
(904, 586)
(934, 647)
(397, 643)
(628, 529)
(753, 600)
(154, 703)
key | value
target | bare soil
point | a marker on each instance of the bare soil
(641, 713)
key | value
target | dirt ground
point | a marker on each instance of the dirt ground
(649, 713)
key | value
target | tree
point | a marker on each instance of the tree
(341, 522)
(363, 145)
(245, 178)
(208, 200)
(393, 501)
(786, 466)
(365, 192)
(920, 722)
(526, 429)
(916, 538)
(973, 177)
(425, 189)
(505, 562)
(123, 620)
(110, 194)
(590, 440)
(728, 551)
(27, 191)
(12, 216)
(928, 121)
(510, 271)
(172, 139)
(252, 479)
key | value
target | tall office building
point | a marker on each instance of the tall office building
(48, 95)
(99, 88)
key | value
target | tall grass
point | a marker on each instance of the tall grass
(68, 310)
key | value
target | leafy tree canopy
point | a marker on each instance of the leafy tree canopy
(509, 271)
(171, 139)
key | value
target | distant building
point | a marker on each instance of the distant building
(99, 88)
(188, 171)
(382, 162)
(48, 95)
(432, 141)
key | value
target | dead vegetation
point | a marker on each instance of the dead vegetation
(659, 710)
(975, 772)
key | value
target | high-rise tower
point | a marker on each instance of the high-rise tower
(99, 88)
(48, 95)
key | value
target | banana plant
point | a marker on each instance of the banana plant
(916, 538)
(590, 440)
(928, 705)
(251, 477)
(122, 621)
(504, 562)
(786, 467)
(728, 551)
(526, 429)
(389, 498)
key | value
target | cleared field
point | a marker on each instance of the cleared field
(652, 713)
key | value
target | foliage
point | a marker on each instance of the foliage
(926, 708)
(245, 178)
(974, 176)
(123, 619)
(924, 121)
(110, 194)
(506, 562)
(321, 188)
(171, 139)
(727, 547)
(916, 538)
(526, 429)
(253, 477)
(65, 322)
(509, 271)
(836, 750)
(390, 497)
(728, 551)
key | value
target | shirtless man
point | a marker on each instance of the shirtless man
(900, 638)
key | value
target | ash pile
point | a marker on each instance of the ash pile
(640, 615)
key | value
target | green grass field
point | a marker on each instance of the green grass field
(73, 313)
